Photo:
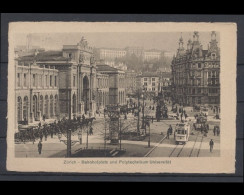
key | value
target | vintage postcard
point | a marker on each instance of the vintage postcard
(123, 97)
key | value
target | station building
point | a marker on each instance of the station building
(54, 84)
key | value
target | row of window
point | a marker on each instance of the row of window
(197, 65)
(47, 106)
(37, 80)
(153, 84)
(147, 79)
(198, 91)
(102, 83)
(149, 89)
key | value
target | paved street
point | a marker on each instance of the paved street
(197, 146)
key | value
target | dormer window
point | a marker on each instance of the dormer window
(213, 55)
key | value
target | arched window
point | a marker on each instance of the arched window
(51, 106)
(46, 106)
(56, 105)
(41, 105)
(34, 110)
(19, 109)
(74, 103)
(25, 108)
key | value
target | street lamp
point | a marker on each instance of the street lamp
(149, 140)
(138, 117)
(80, 136)
(143, 107)
(90, 96)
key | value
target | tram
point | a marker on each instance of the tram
(182, 132)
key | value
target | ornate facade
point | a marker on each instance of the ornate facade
(53, 84)
(195, 72)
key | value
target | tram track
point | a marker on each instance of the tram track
(177, 151)
(200, 147)
(194, 146)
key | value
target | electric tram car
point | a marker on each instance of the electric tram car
(182, 132)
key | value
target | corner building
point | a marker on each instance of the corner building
(195, 73)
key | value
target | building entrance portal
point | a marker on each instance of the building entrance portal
(86, 94)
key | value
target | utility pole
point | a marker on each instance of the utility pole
(87, 137)
(90, 95)
(31, 93)
(138, 117)
(143, 120)
(68, 142)
(149, 140)
(120, 134)
(105, 137)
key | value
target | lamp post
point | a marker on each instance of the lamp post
(143, 113)
(69, 143)
(119, 125)
(105, 136)
(138, 117)
(143, 108)
(149, 140)
(90, 95)
(80, 136)
(87, 137)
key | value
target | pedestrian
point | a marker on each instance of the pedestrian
(214, 130)
(218, 131)
(45, 135)
(170, 129)
(83, 117)
(41, 134)
(202, 128)
(168, 133)
(51, 130)
(33, 135)
(91, 131)
(40, 147)
(211, 144)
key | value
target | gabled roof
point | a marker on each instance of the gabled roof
(45, 56)
(105, 67)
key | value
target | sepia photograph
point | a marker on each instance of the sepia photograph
(125, 99)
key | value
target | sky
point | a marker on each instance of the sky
(155, 40)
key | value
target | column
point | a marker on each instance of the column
(38, 106)
(78, 90)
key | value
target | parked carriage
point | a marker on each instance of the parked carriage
(26, 133)
(201, 123)
(204, 111)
